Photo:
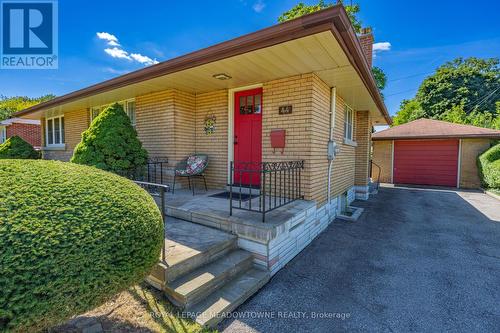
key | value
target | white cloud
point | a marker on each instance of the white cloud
(143, 59)
(117, 51)
(259, 6)
(109, 38)
(382, 46)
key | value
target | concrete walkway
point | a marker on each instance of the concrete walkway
(421, 260)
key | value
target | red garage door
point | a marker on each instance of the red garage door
(432, 162)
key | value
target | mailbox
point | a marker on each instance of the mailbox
(278, 139)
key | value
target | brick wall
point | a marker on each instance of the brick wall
(471, 148)
(382, 155)
(295, 91)
(366, 40)
(344, 163)
(363, 140)
(75, 122)
(308, 133)
(170, 124)
(28, 132)
(215, 145)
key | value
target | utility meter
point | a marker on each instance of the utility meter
(333, 150)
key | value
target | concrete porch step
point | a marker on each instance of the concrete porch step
(211, 310)
(195, 286)
(190, 246)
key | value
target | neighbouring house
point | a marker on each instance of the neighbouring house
(430, 152)
(285, 115)
(27, 129)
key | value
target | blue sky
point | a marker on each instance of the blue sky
(422, 35)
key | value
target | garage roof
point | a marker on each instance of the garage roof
(434, 129)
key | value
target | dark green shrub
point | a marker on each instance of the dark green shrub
(15, 147)
(489, 167)
(71, 236)
(111, 143)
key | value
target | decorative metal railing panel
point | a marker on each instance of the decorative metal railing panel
(279, 183)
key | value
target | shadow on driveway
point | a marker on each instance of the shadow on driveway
(417, 260)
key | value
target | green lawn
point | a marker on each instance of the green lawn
(139, 309)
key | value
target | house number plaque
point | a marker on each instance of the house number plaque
(285, 109)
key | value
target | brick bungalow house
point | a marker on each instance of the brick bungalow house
(308, 79)
(431, 152)
(316, 64)
(27, 129)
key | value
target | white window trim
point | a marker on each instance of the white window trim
(46, 129)
(347, 140)
(125, 108)
(3, 134)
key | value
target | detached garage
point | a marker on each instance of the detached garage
(430, 152)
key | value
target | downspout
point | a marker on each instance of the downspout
(331, 144)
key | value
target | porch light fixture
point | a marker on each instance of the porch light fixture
(221, 76)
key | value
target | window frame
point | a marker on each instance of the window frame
(62, 137)
(125, 105)
(348, 124)
(3, 134)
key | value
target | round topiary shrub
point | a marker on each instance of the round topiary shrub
(111, 143)
(489, 167)
(71, 236)
(15, 147)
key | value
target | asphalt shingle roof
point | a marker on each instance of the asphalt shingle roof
(434, 129)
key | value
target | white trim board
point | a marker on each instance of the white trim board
(230, 122)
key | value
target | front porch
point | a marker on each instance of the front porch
(212, 261)
(271, 242)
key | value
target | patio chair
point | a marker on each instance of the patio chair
(192, 166)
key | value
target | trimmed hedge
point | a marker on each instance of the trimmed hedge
(71, 237)
(111, 143)
(15, 147)
(489, 167)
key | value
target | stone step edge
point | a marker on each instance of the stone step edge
(228, 272)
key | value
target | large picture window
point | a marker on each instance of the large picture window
(54, 131)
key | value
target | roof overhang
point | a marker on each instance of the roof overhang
(11, 121)
(438, 137)
(323, 43)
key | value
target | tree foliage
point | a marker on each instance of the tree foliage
(380, 77)
(302, 9)
(464, 91)
(111, 143)
(352, 11)
(71, 237)
(9, 105)
(16, 147)
(409, 110)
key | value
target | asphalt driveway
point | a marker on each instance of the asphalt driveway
(417, 260)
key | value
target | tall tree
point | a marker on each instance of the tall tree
(465, 91)
(352, 11)
(9, 105)
(472, 82)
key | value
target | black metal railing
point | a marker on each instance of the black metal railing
(158, 191)
(154, 171)
(378, 173)
(279, 183)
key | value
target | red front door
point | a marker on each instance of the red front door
(247, 136)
